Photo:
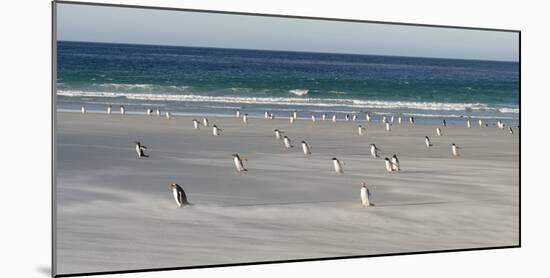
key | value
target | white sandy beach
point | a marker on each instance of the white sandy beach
(116, 212)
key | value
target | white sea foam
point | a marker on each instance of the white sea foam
(299, 92)
(315, 102)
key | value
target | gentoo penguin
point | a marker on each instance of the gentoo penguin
(500, 124)
(216, 131)
(444, 123)
(238, 113)
(306, 148)
(391, 119)
(287, 143)
(333, 118)
(168, 115)
(205, 121)
(395, 163)
(455, 148)
(510, 130)
(324, 116)
(238, 163)
(438, 131)
(313, 118)
(245, 118)
(292, 119)
(337, 166)
(389, 166)
(271, 116)
(149, 111)
(480, 122)
(158, 112)
(347, 117)
(354, 117)
(83, 109)
(374, 151)
(365, 196)
(196, 124)
(179, 195)
(295, 114)
(388, 127)
(384, 119)
(399, 120)
(109, 109)
(361, 130)
(411, 120)
(139, 150)
(122, 110)
(278, 133)
(427, 141)
(367, 117)
(266, 115)
(468, 124)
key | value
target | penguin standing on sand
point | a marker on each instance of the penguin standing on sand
(411, 120)
(238, 113)
(292, 119)
(109, 109)
(361, 130)
(427, 141)
(278, 133)
(395, 163)
(266, 115)
(313, 118)
(384, 119)
(196, 124)
(510, 130)
(367, 117)
(140, 150)
(438, 131)
(389, 167)
(122, 110)
(324, 116)
(347, 117)
(271, 116)
(179, 195)
(295, 114)
(216, 131)
(83, 109)
(337, 166)
(158, 112)
(149, 111)
(444, 123)
(306, 148)
(334, 118)
(374, 151)
(365, 196)
(287, 143)
(245, 118)
(354, 118)
(238, 163)
(468, 124)
(168, 115)
(454, 149)
(480, 122)
(388, 127)
(391, 119)
(500, 124)
(399, 120)
(205, 122)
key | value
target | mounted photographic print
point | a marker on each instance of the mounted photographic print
(187, 138)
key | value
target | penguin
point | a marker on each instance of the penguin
(395, 163)
(399, 120)
(444, 123)
(354, 117)
(427, 141)
(480, 122)
(122, 110)
(361, 130)
(365, 196)
(149, 111)
(271, 116)
(324, 116)
(374, 151)
(438, 131)
(337, 166)
(168, 115)
(333, 118)
(388, 127)
(179, 195)
(158, 112)
(347, 117)
(411, 120)
(510, 130)
(367, 117)
(109, 109)
(384, 119)
(278, 133)
(196, 124)
(292, 119)
(287, 143)
(245, 118)
(500, 124)
(266, 115)
(238, 113)
(295, 114)
(313, 118)
(468, 124)
(306, 148)
(216, 131)
(205, 122)
(389, 167)
(139, 150)
(455, 148)
(83, 109)
(239, 163)
(391, 119)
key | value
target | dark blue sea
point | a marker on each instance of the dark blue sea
(194, 80)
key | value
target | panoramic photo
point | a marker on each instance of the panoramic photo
(186, 138)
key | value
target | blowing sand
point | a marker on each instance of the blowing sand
(116, 212)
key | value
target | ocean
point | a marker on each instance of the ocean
(216, 81)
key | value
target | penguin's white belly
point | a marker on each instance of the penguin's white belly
(364, 197)
(238, 164)
(337, 166)
(176, 197)
(306, 149)
(373, 152)
(388, 166)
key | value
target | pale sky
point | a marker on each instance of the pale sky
(181, 28)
